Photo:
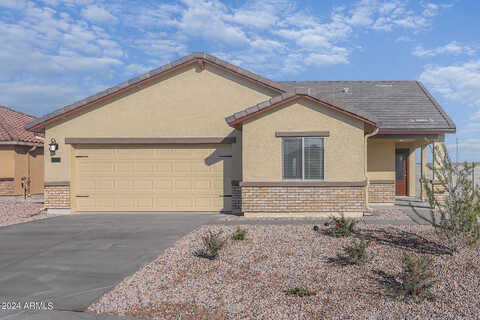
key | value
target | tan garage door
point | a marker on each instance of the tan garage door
(160, 178)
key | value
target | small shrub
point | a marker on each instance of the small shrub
(356, 252)
(212, 243)
(300, 292)
(416, 279)
(342, 227)
(239, 234)
(455, 209)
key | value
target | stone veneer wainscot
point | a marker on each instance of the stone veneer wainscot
(7, 186)
(381, 191)
(302, 198)
(57, 195)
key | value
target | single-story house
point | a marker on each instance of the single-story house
(201, 134)
(21, 155)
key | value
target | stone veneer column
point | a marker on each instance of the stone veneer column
(57, 195)
(381, 191)
(7, 186)
(236, 197)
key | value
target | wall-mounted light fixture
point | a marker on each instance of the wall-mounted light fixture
(53, 146)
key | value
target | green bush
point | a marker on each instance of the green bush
(415, 280)
(300, 292)
(239, 234)
(342, 227)
(356, 252)
(212, 243)
(455, 212)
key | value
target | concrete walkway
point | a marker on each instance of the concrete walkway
(72, 260)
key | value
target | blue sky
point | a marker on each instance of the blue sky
(56, 52)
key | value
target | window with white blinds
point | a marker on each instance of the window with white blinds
(292, 158)
(304, 158)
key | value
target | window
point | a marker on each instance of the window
(303, 158)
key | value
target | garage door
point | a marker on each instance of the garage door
(160, 178)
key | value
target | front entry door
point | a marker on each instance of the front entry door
(401, 172)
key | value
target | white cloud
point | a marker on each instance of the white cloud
(321, 60)
(75, 41)
(456, 82)
(12, 4)
(386, 15)
(451, 48)
(165, 48)
(37, 98)
(98, 14)
(460, 83)
(404, 39)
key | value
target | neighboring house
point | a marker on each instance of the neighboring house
(21, 155)
(200, 134)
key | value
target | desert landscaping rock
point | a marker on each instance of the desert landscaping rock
(249, 278)
(17, 209)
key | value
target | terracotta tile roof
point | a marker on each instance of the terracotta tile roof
(12, 126)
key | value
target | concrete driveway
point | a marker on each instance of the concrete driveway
(72, 260)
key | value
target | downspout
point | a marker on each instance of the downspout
(375, 132)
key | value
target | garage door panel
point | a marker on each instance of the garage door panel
(143, 185)
(124, 167)
(173, 178)
(126, 204)
(164, 184)
(144, 167)
(164, 166)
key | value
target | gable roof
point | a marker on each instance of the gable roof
(12, 127)
(398, 105)
(294, 94)
(197, 57)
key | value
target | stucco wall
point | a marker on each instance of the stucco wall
(7, 163)
(381, 159)
(21, 169)
(344, 148)
(14, 164)
(29, 163)
(187, 103)
(36, 171)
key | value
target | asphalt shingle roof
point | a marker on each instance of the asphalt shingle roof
(12, 126)
(396, 104)
(298, 92)
(165, 68)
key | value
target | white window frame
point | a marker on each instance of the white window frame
(303, 160)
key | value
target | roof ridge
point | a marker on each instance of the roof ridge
(437, 105)
(294, 94)
(339, 81)
(17, 111)
(152, 75)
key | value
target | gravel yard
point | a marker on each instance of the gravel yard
(16, 210)
(378, 214)
(249, 278)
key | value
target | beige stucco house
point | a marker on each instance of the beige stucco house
(21, 155)
(200, 134)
